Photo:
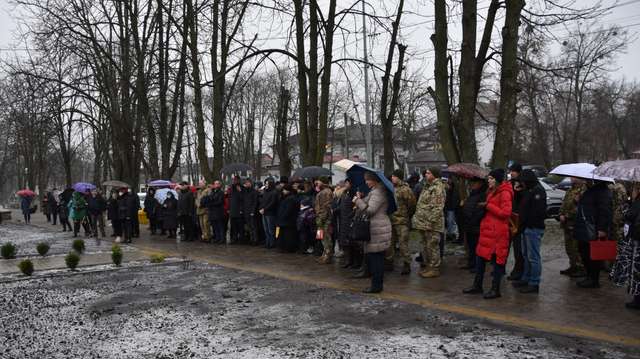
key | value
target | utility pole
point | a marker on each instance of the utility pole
(367, 111)
(346, 136)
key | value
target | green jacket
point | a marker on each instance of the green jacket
(406, 203)
(430, 208)
(79, 207)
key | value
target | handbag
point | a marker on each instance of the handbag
(589, 227)
(603, 250)
(361, 227)
(514, 224)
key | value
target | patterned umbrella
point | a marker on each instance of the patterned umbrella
(579, 170)
(625, 170)
(161, 194)
(26, 193)
(159, 183)
(84, 187)
(468, 170)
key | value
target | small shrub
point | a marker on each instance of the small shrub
(8, 250)
(26, 267)
(78, 245)
(157, 258)
(116, 255)
(72, 259)
(42, 248)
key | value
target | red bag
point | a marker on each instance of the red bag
(604, 250)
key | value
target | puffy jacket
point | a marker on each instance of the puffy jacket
(96, 205)
(406, 203)
(494, 228)
(288, 208)
(249, 201)
(151, 206)
(430, 208)
(594, 209)
(235, 202)
(375, 205)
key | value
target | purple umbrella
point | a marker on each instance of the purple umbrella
(83, 187)
(159, 183)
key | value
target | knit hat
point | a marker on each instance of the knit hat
(435, 171)
(497, 174)
(528, 176)
(398, 173)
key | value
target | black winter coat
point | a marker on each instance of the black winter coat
(151, 207)
(215, 205)
(472, 214)
(236, 209)
(533, 208)
(249, 202)
(112, 209)
(269, 202)
(288, 211)
(170, 214)
(453, 198)
(96, 205)
(128, 206)
(186, 204)
(595, 207)
(344, 212)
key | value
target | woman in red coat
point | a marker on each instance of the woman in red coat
(493, 244)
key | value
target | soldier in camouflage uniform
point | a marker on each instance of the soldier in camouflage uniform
(322, 207)
(429, 220)
(406, 203)
(568, 212)
(620, 199)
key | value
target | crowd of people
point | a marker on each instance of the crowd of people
(494, 216)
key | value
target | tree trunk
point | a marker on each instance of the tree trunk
(508, 84)
(441, 93)
(282, 142)
(325, 83)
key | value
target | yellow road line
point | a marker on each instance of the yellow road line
(426, 303)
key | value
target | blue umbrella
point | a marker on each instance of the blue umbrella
(161, 194)
(159, 183)
(83, 187)
(356, 176)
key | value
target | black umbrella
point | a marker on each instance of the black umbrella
(312, 172)
(232, 168)
(66, 194)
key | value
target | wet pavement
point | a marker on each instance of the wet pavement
(215, 312)
(560, 310)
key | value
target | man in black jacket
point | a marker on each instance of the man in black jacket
(268, 208)
(127, 210)
(186, 212)
(516, 241)
(593, 222)
(533, 210)
(236, 211)
(472, 214)
(215, 208)
(250, 208)
(152, 209)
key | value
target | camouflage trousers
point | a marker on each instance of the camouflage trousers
(571, 247)
(431, 241)
(327, 241)
(399, 236)
(203, 219)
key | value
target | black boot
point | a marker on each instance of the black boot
(406, 269)
(494, 292)
(347, 258)
(363, 272)
(476, 288)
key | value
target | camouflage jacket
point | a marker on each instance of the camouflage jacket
(406, 203)
(322, 207)
(201, 210)
(569, 206)
(619, 203)
(429, 214)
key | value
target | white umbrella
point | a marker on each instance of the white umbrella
(344, 164)
(161, 194)
(580, 170)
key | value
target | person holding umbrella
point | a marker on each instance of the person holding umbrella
(25, 206)
(375, 205)
(626, 269)
(78, 213)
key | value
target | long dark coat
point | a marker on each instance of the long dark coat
(170, 214)
(344, 211)
(626, 269)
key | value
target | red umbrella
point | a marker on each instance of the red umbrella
(26, 193)
(468, 170)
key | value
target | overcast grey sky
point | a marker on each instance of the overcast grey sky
(417, 25)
